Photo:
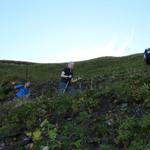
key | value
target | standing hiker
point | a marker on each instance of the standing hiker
(67, 79)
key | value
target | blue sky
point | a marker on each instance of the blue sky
(72, 30)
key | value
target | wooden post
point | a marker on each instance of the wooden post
(80, 87)
(91, 87)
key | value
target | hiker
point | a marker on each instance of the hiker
(22, 90)
(147, 56)
(67, 80)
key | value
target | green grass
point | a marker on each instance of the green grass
(112, 114)
(95, 67)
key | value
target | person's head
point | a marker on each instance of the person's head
(27, 84)
(71, 65)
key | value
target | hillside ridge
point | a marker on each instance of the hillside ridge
(103, 57)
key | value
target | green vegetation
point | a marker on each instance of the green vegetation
(112, 113)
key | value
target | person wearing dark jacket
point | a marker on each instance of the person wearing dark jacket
(67, 79)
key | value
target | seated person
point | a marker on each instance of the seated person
(22, 90)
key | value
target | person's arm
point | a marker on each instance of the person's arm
(75, 80)
(65, 76)
(18, 86)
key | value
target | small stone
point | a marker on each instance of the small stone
(2, 145)
(45, 148)
(115, 101)
(69, 119)
(14, 139)
(29, 146)
(124, 105)
(109, 122)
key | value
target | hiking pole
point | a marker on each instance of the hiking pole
(80, 84)
(79, 78)
(27, 72)
(66, 87)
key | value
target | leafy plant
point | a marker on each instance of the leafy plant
(126, 130)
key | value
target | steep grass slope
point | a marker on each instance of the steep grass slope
(113, 111)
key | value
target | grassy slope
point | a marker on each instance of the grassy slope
(115, 115)
(100, 66)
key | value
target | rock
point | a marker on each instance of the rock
(45, 148)
(124, 105)
(2, 146)
(110, 122)
(29, 146)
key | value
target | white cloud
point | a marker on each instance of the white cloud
(109, 49)
(117, 46)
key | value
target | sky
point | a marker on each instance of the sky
(50, 31)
